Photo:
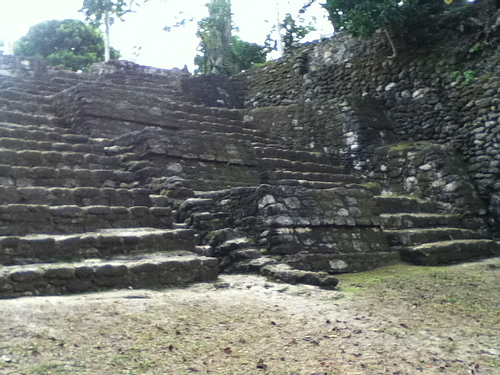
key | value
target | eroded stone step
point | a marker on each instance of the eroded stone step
(29, 119)
(35, 86)
(419, 220)
(445, 252)
(309, 176)
(41, 133)
(238, 136)
(22, 219)
(303, 156)
(207, 123)
(13, 94)
(287, 274)
(276, 163)
(322, 184)
(65, 177)
(80, 196)
(104, 243)
(58, 159)
(400, 204)
(413, 237)
(27, 107)
(147, 271)
(18, 144)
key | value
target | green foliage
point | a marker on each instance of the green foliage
(362, 18)
(242, 56)
(294, 32)
(469, 76)
(245, 54)
(221, 52)
(466, 77)
(96, 10)
(68, 43)
(478, 47)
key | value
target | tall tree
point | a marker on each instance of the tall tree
(104, 12)
(71, 44)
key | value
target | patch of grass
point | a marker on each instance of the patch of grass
(406, 145)
(48, 367)
(435, 288)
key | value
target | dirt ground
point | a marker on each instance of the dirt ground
(396, 320)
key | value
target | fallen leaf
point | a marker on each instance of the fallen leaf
(261, 364)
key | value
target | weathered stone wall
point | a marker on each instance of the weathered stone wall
(335, 230)
(15, 66)
(427, 170)
(430, 95)
(205, 161)
(347, 130)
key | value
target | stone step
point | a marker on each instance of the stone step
(29, 119)
(46, 87)
(302, 156)
(400, 204)
(190, 112)
(206, 221)
(446, 252)
(287, 274)
(26, 107)
(41, 133)
(79, 196)
(208, 123)
(340, 261)
(63, 177)
(319, 184)
(419, 220)
(19, 144)
(146, 271)
(118, 150)
(143, 81)
(238, 136)
(58, 159)
(22, 219)
(13, 94)
(100, 244)
(285, 164)
(33, 88)
(308, 176)
(413, 237)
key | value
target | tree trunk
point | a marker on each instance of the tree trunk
(280, 45)
(220, 36)
(107, 47)
(393, 47)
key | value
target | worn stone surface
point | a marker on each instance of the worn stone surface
(150, 271)
(323, 130)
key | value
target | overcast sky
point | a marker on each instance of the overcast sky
(144, 28)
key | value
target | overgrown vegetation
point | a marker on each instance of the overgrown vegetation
(407, 22)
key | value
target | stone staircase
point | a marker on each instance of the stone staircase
(72, 218)
(118, 180)
(425, 235)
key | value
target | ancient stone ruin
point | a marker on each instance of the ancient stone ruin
(326, 162)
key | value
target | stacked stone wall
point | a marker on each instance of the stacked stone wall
(443, 95)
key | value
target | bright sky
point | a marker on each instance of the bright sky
(144, 28)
